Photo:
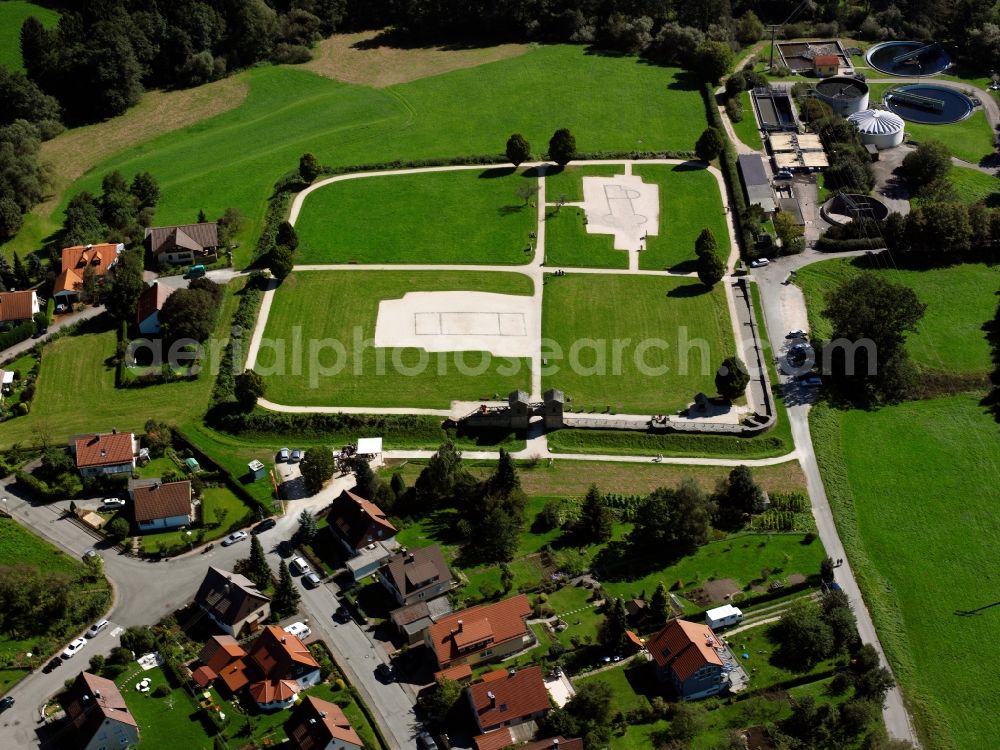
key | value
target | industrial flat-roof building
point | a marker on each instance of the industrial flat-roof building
(756, 183)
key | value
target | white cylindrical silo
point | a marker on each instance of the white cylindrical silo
(879, 127)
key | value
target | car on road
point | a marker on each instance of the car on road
(296, 455)
(96, 628)
(342, 615)
(783, 174)
(112, 503)
(385, 672)
(283, 454)
(299, 565)
(6, 702)
(72, 649)
(426, 742)
(798, 333)
(267, 523)
(298, 629)
(759, 263)
(813, 381)
(52, 665)
(285, 548)
(311, 580)
(236, 536)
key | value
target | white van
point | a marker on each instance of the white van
(299, 629)
(299, 565)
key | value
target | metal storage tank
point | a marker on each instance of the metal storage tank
(879, 127)
(844, 94)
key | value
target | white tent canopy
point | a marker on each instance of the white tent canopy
(369, 446)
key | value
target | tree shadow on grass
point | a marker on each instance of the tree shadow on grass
(692, 165)
(689, 290)
(533, 173)
(495, 172)
(685, 266)
(511, 209)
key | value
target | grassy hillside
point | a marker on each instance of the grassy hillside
(922, 531)
(959, 300)
(234, 158)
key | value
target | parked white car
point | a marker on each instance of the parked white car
(299, 565)
(72, 649)
(236, 536)
(760, 262)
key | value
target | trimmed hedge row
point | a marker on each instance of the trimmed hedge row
(17, 334)
(313, 425)
(727, 160)
(242, 326)
(829, 245)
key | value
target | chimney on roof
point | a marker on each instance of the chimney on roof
(282, 639)
(312, 721)
(104, 453)
(114, 430)
(410, 557)
(90, 247)
(85, 698)
(97, 693)
(555, 742)
(511, 672)
(492, 696)
(460, 626)
(322, 714)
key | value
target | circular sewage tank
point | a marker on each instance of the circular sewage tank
(845, 207)
(844, 94)
(929, 103)
(908, 58)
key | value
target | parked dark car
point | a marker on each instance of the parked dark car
(267, 523)
(6, 702)
(342, 615)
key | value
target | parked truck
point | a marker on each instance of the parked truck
(723, 617)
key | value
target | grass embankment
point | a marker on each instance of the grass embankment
(746, 129)
(959, 300)
(290, 111)
(343, 307)
(689, 202)
(639, 344)
(921, 531)
(13, 13)
(467, 216)
(973, 186)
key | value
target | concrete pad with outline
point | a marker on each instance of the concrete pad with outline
(623, 206)
(506, 325)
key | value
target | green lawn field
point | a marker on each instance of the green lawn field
(568, 181)
(234, 158)
(12, 14)
(960, 299)
(645, 319)
(922, 532)
(689, 202)
(467, 216)
(973, 186)
(81, 364)
(342, 305)
(568, 244)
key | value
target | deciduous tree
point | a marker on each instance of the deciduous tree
(732, 378)
(317, 467)
(249, 386)
(710, 144)
(562, 147)
(518, 149)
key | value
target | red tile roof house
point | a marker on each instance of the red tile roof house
(275, 670)
(107, 453)
(364, 533)
(183, 243)
(481, 634)
(416, 575)
(687, 656)
(232, 602)
(317, 724)
(97, 715)
(17, 307)
(76, 260)
(506, 698)
(161, 505)
(148, 310)
(826, 65)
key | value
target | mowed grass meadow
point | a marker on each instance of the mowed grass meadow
(959, 299)
(568, 244)
(13, 14)
(462, 216)
(914, 492)
(343, 304)
(592, 315)
(234, 158)
(689, 202)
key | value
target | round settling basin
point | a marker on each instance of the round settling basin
(929, 103)
(908, 58)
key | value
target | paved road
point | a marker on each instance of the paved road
(784, 310)
(147, 591)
